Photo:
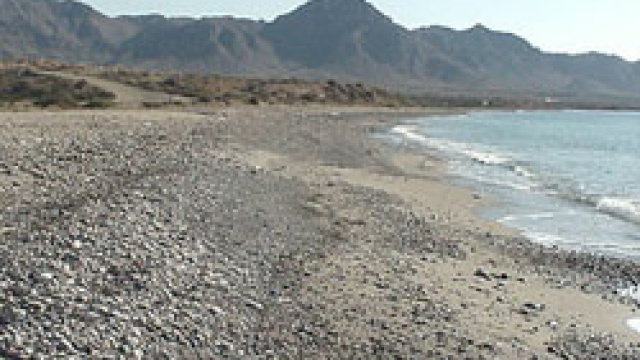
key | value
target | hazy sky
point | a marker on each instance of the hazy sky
(609, 26)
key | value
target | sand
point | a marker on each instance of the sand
(277, 232)
(422, 184)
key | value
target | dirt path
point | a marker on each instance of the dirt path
(126, 96)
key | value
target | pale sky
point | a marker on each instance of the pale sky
(573, 26)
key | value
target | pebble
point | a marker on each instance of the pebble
(130, 240)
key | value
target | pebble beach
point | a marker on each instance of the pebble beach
(274, 232)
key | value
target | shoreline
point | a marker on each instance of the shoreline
(437, 162)
(558, 269)
(279, 231)
(409, 140)
(464, 200)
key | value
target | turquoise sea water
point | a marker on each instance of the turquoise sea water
(565, 178)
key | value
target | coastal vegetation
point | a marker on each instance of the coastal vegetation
(27, 87)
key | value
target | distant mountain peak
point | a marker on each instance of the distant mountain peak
(479, 28)
(322, 32)
(341, 3)
(353, 11)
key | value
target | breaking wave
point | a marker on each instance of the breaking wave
(521, 177)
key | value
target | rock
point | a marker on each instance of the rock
(534, 306)
(46, 276)
(254, 304)
(502, 276)
(482, 274)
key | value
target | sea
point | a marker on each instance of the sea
(569, 179)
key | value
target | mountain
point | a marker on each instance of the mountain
(58, 30)
(315, 37)
(477, 55)
(227, 46)
(345, 39)
(352, 40)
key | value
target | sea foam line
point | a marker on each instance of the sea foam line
(625, 209)
(482, 156)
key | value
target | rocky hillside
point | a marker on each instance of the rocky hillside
(323, 39)
(59, 30)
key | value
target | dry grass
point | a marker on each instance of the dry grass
(27, 87)
(221, 90)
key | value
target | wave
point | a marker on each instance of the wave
(622, 208)
(474, 153)
(487, 157)
(493, 181)
(526, 179)
(548, 239)
(576, 111)
(409, 132)
(520, 170)
(537, 216)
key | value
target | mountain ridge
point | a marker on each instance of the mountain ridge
(322, 39)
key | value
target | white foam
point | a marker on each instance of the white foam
(634, 324)
(485, 157)
(521, 171)
(410, 132)
(549, 240)
(576, 111)
(544, 238)
(481, 156)
(498, 182)
(508, 219)
(539, 216)
(624, 208)
(632, 292)
(542, 216)
(475, 153)
(622, 249)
